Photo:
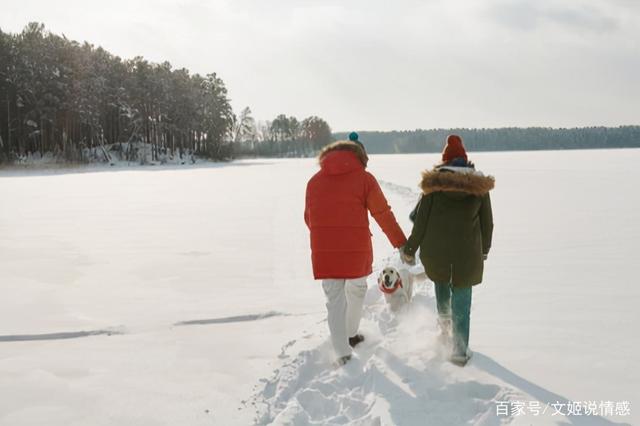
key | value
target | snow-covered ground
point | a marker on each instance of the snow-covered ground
(195, 290)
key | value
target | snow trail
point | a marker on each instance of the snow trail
(398, 376)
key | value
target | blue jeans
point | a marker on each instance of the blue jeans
(455, 303)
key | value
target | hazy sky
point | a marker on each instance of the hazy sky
(381, 65)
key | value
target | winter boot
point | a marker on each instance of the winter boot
(355, 340)
(343, 360)
(460, 359)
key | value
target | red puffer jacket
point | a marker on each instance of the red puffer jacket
(337, 201)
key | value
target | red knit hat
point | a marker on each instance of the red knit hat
(453, 149)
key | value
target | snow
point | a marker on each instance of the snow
(116, 155)
(199, 281)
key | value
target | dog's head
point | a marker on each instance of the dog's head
(389, 280)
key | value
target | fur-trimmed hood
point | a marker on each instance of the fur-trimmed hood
(336, 158)
(456, 179)
(345, 146)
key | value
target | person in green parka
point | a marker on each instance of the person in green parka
(453, 226)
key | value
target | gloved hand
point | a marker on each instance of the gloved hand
(405, 258)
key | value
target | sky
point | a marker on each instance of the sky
(378, 64)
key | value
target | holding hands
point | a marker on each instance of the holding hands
(408, 259)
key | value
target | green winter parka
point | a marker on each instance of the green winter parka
(453, 225)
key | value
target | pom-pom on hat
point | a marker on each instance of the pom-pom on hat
(353, 137)
(453, 149)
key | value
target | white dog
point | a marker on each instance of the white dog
(397, 287)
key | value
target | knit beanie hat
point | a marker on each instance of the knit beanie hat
(453, 149)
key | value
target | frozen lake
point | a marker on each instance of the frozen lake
(136, 254)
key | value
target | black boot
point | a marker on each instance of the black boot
(355, 340)
(343, 360)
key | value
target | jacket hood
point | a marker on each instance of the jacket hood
(456, 179)
(342, 157)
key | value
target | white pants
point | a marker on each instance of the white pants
(345, 298)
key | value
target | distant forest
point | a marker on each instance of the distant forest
(504, 139)
(73, 102)
(64, 101)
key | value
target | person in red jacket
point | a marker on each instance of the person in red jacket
(339, 198)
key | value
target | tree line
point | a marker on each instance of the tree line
(78, 102)
(283, 137)
(502, 139)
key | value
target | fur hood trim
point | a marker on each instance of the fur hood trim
(447, 179)
(345, 146)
